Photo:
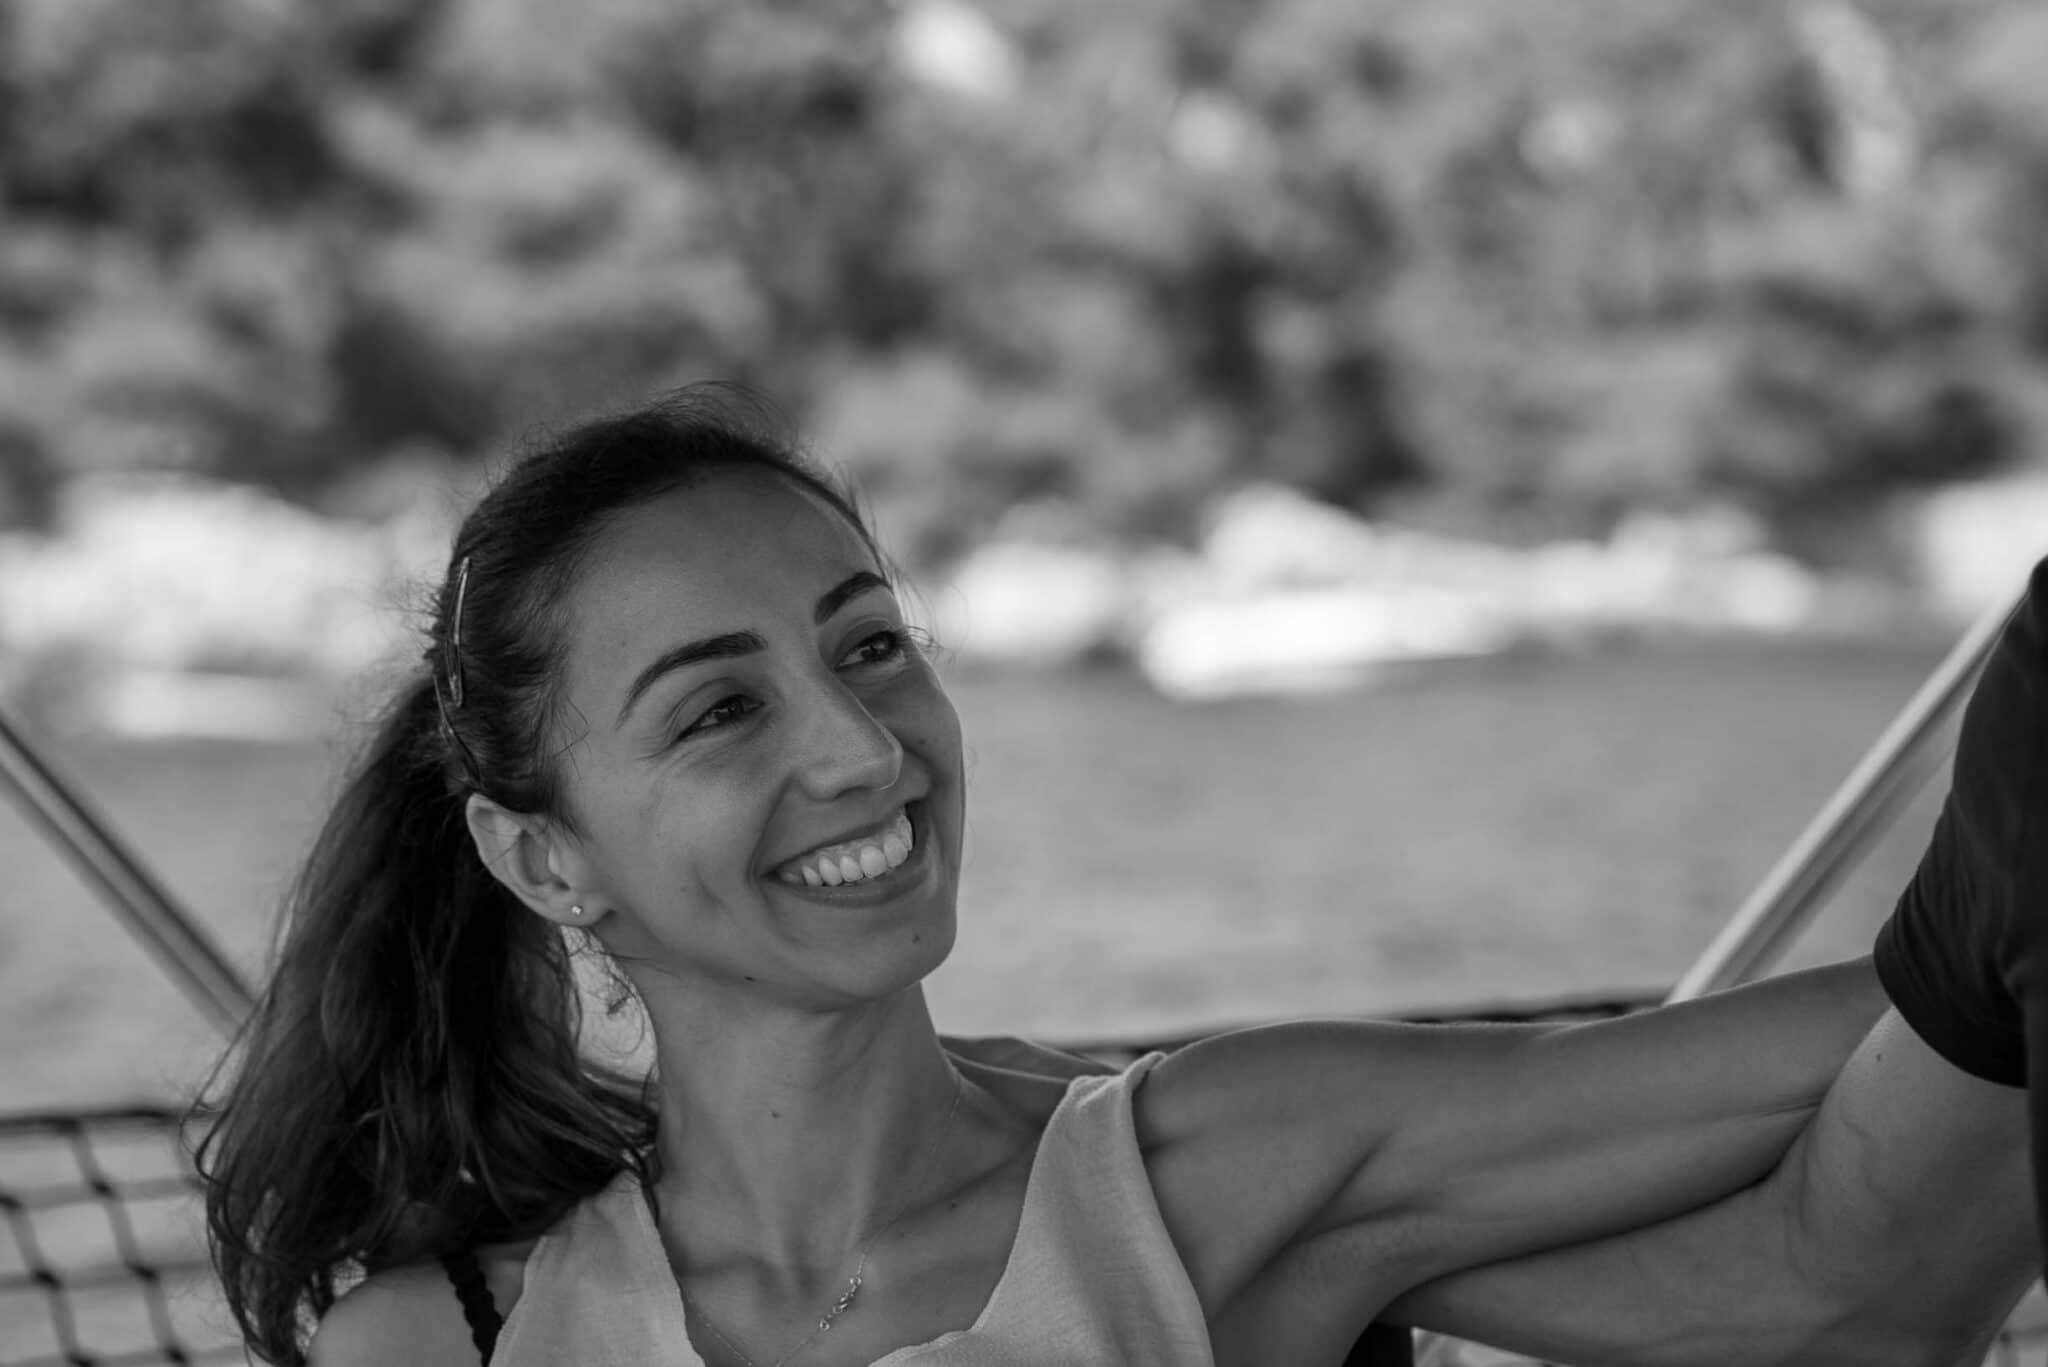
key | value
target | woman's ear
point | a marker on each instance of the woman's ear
(529, 855)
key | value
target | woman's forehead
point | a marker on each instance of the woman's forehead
(720, 555)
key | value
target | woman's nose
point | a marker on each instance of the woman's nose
(845, 748)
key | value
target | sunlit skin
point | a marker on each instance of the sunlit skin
(721, 770)
(800, 1072)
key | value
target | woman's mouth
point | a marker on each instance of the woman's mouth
(871, 858)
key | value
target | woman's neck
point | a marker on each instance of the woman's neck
(791, 1143)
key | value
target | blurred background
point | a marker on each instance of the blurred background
(1422, 499)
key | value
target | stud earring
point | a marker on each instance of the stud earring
(576, 911)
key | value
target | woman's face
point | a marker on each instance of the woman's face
(764, 769)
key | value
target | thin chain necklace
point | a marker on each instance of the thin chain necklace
(853, 1283)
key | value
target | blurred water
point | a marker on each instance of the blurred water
(1510, 829)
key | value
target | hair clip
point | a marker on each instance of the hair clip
(452, 666)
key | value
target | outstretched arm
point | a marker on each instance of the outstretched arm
(1896, 1230)
(1423, 1150)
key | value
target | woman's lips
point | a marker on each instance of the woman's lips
(870, 887)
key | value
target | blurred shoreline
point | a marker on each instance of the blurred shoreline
(168, 606)
(1600, 318)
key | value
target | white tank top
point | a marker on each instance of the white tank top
(1093, 1277)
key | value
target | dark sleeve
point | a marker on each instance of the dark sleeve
(1936, 963)
(2037, 1102)
(1969, 937)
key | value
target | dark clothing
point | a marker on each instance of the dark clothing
(477, 1308)
(1964, 956)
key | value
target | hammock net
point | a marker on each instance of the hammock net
(104, 1257)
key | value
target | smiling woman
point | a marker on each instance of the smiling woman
(749, 703)
(671, 705)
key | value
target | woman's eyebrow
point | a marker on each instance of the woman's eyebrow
(846, 590)
(736, 643)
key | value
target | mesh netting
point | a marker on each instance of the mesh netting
(104, 1262)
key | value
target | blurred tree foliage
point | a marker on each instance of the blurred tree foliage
(1488, 262)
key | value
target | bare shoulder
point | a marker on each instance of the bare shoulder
(1272, 1073)
(400, 1317)
(1250, 1136)
(410, 1317)
(1333, 1090)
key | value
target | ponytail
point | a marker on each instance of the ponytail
(410, 1082)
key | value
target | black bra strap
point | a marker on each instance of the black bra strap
(477, 1308)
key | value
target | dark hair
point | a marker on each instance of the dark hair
(410, 1082)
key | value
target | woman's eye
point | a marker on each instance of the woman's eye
(881, 648)
(721, 714)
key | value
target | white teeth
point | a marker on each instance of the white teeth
(856, 861)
